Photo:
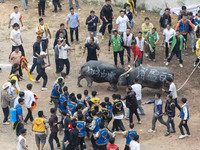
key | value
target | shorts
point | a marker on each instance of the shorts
(40, 138)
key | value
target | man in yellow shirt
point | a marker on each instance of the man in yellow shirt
(146, 26)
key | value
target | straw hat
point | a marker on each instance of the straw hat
(6, 85)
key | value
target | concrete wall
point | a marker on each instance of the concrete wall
(155, 4)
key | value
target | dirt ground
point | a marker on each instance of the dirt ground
(149, 141)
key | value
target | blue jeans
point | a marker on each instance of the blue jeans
(95, 33)
(132, 23)
(66, 137)
(140, 108)
(24, 4)
(169, 120)
(192, 39)
(71, 4)
(138, 62)
(54, 136)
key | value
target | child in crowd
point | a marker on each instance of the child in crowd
(87, 97)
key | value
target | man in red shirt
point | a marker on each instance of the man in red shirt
(112, 146)
(137, 55)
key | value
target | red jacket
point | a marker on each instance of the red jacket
(112, 147)
(136, 51)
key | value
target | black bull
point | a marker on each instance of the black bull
(98, 71)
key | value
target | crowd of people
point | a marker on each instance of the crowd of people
(81, 115)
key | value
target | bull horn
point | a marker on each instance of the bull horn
(125, 73)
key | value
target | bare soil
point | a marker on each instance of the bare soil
(149, 141)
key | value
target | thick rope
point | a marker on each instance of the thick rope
(188, 77)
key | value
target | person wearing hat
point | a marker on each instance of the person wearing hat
(92, 22)
(5, 99)
(131, 103)
(41, 70)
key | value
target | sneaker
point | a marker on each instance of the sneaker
(58, 146)
(181, 65)
(193, 50)
(99, 34)
(139, 122)
(6, 123)
(146, 54)
(151, 131)
(77, 42)
(44, 89)
(32, 122)
(199, 66)
(167, 133)
(72, 43)
(102, 37)
(167, 63)
(37, 81)
(25, 123)
(173, 131)
(194, 64)
(154, 60)
(188, 135)
(186, 53)
(50, 103)
(181, 136)
(44, 16)
(79, 9)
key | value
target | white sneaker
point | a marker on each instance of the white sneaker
(79, 9)
(102, 37)
(181, 65)
(37, 81)
(99, 34)
(194, 64)
(139, 122)
(44, 89)
(167, 63)
(6, 123)
(181, 136)
(151, 131)
(187, 135)
(146, 54)
(193, 50)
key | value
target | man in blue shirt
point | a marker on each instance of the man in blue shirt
(19, 124)
(73, 22)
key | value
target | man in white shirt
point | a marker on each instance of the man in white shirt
(140, 41)
(168, 33)
(63, 59)
(137, 88)
(172, 91)
(127, 39)
(29, 99)
(134, 144)
(122, 22)
(15, 17)
(16, 38)
(43, 31)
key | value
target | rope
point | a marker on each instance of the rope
(188, 77)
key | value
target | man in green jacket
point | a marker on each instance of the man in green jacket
(177, 44)
(152, 39)
(117, 43)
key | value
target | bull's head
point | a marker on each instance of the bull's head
(123, 78)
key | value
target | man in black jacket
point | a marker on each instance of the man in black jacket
(165, 19)
(107, 16)
(73, 138)
(61, 30)
(38, 46)
(92, 22)
(132, 104)
(170, 112)
(66, 124)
